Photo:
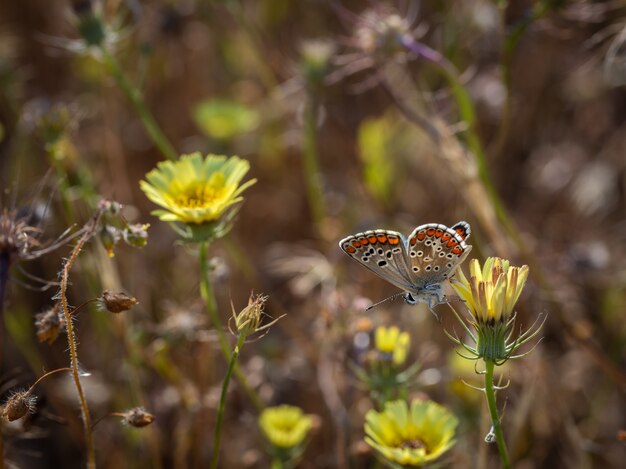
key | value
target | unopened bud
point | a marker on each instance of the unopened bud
(109, 236)
(247, 322)
(92, 29)
(136, 235)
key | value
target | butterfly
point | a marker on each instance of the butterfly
(418, 264)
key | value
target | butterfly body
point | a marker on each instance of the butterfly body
(419, 263)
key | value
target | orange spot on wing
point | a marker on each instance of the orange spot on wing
(355, 243)
(438, 233)
(430, 232)
(382, 238)
(350, 249)
(461, 231)
(372, 239)
(393, 240)
(420, 236)
(457, 250)
(451, 243)
(364, 241)
(446, 237)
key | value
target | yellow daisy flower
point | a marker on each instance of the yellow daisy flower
(392, 341)
(285, 426)
(410, 436)
(196, 190)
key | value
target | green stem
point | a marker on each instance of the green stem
(220, 410)
(311, 164)
(493, 412)
(134, 96)
(277, 464)
(209, 298)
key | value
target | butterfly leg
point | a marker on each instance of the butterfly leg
(448, 299)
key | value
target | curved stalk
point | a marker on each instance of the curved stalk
(490, 393)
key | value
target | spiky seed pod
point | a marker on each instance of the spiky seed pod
(17, 238)
(18, 405)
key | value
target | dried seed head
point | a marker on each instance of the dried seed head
(379, 31)
(50, 324)
(17, 238)
(18, 405)
(138, 417)
(117, 302)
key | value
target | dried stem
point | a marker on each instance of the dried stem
(32, 388)
(71, 338)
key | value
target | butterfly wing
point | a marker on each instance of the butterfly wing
(383, 252)
(435, 251)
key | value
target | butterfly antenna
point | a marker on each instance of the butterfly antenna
(392, 297)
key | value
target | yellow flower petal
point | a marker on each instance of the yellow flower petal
(410, 436)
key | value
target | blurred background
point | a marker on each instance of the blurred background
(509, 116)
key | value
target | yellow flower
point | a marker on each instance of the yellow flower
(393, 342)
(491, 292)
(285, 426)
(410, 436)
(196, 190)
(490, 295)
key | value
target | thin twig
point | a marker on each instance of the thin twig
(71, 338)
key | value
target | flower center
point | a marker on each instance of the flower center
(413, 444)
(201, 195)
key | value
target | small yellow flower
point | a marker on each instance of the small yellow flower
(196, 190)
(285, 426)
(491, 292)
(410, 436)
(393, 342)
